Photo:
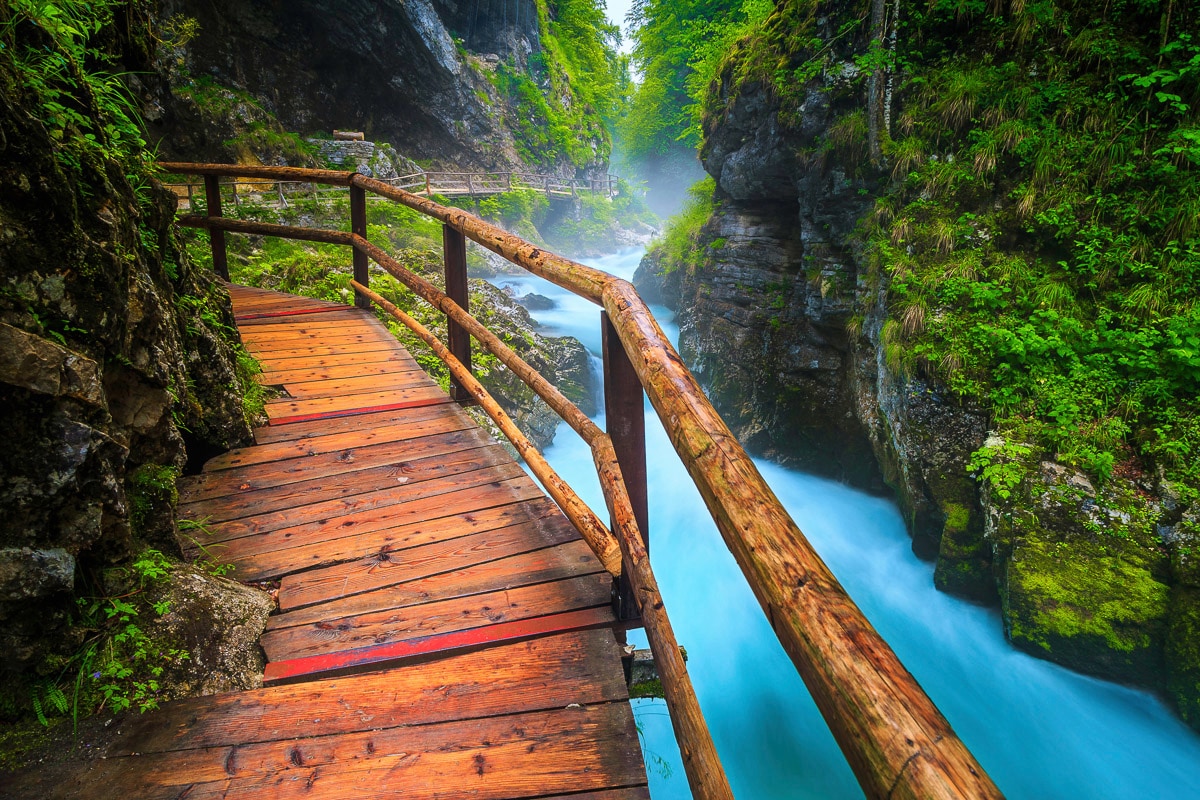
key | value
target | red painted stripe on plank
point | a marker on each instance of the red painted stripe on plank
(350, 412)
(292, 313)
(361, 658)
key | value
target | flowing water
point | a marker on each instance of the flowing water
(1041, 731)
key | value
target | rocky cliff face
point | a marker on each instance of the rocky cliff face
(788, 322)
(411, 73)
(115, 355)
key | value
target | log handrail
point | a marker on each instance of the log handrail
(893, 736)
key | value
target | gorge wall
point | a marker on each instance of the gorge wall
(433, 78)
(117, 357)
(797, 309)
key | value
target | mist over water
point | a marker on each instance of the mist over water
(1041, 731)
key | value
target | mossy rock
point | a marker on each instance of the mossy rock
(964, 561)
(1092, 606)
(1183, 654)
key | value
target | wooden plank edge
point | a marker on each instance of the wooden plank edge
(352, 412)
(430, 647)
(289, 313)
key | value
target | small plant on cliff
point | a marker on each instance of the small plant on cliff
(83, 102)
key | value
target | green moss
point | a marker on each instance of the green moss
(957, 517)
(964, 560)
(1183, 655)
(650, 688)
(1086, 596)
(150, 491)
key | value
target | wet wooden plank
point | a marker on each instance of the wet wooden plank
(330, 350)
(387, 568)
(264, 347)
(338, 316)
(289, 407)
(308, 555)
(379, 510)
(472, 565)
(388, 364)
(536, 674)
(271, 366)
(527, 755)
(358, 385)
(237, 480)
(441, 616)
(290, 494)
(288, 550)
(439, 645)
(328, 436)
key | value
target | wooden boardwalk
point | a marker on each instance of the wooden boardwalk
(443, 632)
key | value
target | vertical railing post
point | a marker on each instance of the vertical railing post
(358, 226)
(459, 341)
(625, 419)
(216, 237)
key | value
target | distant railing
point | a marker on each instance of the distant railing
(895, 739)
(280, 193)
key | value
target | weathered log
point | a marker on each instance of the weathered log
(570, 275)
(706, 776)
(349, 136)
(897, 742)
(299, 174)
(267, 229)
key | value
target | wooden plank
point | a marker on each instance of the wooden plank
(308, 555)
(543, 673)
(307, 439)
(440, 616)
(512, 756)
(278, 410)
(388, 364)
(266, 350)
(438, 645)
(268, 339)
(316, 326)
(290, 494)
(330, 317)
(353, 410)
(332, 350)
(329, 519)
(386, 567)
(270, 367)
(262, 475)
(269, 305)
(471, 565)
(393, 381)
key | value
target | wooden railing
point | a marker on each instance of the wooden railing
(281, 193)
(896, 741)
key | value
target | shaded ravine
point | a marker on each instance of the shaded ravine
(1040, 730)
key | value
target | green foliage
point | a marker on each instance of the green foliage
(680, 244)
(1042, 234)
(198, 531)
(678, 48)
(50, 49)
(259, 132)
(561, 107)
(150, 489)
(118, 666)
